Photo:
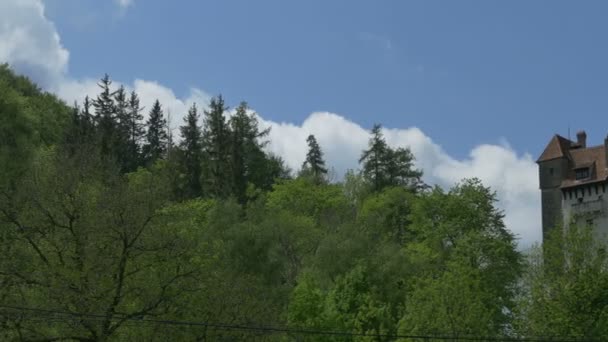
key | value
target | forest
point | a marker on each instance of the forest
(115, 228)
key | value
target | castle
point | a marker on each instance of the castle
(573, 182)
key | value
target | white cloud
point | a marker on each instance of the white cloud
(512, 176)
(148, 91)
(31, 44)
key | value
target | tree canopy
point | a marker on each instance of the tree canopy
(110, 233)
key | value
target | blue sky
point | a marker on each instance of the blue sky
(465, 72)
(474, 88)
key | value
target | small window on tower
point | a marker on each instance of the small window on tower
(551, 171)
(582, 173)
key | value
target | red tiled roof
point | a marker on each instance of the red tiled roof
(592, 157)
(558, 147)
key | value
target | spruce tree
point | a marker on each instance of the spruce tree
(216, 147)
(86, 116)
(156, 136)
(105, 118)
(314, 165)
(247, 155)
(375, 159)
(121, 141)
(82, 127)
(384, 166)
(135, 131)
(401, 171)
(191, 153)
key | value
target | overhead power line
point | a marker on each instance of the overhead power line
(36, 314)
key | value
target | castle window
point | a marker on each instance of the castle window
(551, 171)
(580, 200)
(596, 189)
(582, 173)
(589, 191)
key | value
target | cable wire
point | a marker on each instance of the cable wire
(72, 316)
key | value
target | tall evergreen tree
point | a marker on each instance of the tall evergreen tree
(375, 158)
(81, 130)
(156, 136)
(384, 166)
(121, 106)
(105, 117)
(191, 153)
(216, 147)
(121, 141)
(135, 131)
(247, 155)
(401, 171)
(314, 165)
(86, 115)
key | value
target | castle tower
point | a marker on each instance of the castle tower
(553, 166)
(573, 182)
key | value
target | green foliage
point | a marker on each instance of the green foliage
(131, 130)
(384, 167)
(29, 119)
(324, 203)
(16, 133)
(216, 142)
(314, 165)
(157, 140)
(463, 227)
(215, 230)
(92, 241)
(105, 118)
(454, 303)
(191, 154)
(387, 214)
(566, 286)
(249, 163)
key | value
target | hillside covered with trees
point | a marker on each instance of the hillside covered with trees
(112, 228)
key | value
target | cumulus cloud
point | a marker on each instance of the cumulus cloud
(148, 91)
(512, 176)
(31, 44)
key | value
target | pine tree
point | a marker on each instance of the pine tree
(314, 165)
(105, 117)
(121, 106)
(156, 136)
(191, 153)
(135, 132)
(384, 166)
(375, 159)
(276, 169)
(247, 155)
(82, 128)
(87, 118)
(216, 147)
(400, 169)
(121, 141)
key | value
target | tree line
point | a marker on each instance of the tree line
(113, 229)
